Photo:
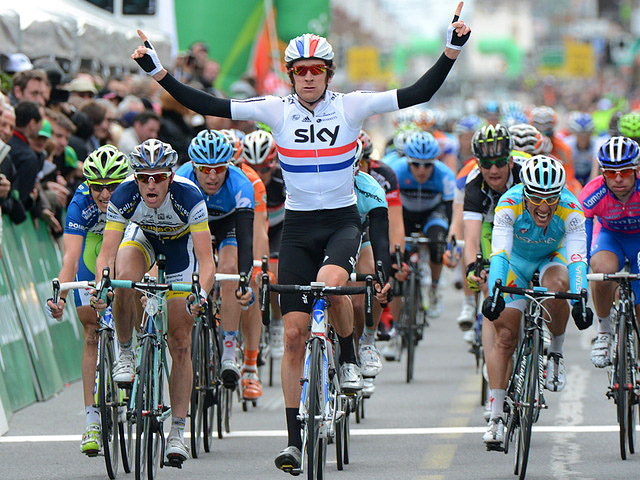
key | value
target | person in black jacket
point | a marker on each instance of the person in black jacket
(24, 159)
(10, 203)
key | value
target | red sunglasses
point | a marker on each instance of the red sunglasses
(301, 70)
(207, 169)
(156, 177)
(611, 174)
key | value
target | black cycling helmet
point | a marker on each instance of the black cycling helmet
(491, 142)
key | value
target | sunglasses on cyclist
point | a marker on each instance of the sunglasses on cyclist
(612, 173)
(98, 186)
(498, 162)
(301, 70)
(422, 164)
(207, 169)
(537, 200)
(156, 177)
(265, 168)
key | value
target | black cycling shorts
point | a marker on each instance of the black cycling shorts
(313, 239)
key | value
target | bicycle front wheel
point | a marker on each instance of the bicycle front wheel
(108, 400)
(622, 382)
(411, 325)
(528, 405)
(314, 403)
(199, 388)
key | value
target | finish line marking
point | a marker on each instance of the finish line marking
(354, 432)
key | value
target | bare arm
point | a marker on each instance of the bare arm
(396, 227)
(204, 256)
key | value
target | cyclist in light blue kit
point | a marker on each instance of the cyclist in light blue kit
(427, 188)
(538, 226)
(228, 194)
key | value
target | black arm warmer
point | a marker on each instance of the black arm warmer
(427, 85)
(196, 100)
(244, 237)
(379, 236)
(448, 207)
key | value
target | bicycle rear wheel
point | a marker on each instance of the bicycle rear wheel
(529, 405)
(211, 398)
(156, 432)
(313, 401)
(108, 400)
(622, 383)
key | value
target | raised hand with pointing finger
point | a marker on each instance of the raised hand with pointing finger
(458, 33)
(147, 57)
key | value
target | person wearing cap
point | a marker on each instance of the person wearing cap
(321, 232)
(18, 62)
(81, 89)
(31, 85)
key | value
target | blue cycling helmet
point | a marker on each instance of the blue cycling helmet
(618, 152)
(210, 147)
(513, 118)
(421, 146)
(152, 154)
(580, 122)
(468, 123)
(543, 175)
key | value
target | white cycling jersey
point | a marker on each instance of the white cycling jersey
(316, 149)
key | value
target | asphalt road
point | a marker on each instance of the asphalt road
(430, 429)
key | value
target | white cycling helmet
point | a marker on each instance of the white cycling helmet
(259, 148)
(152, 154)
(543, 175)
(308, 45)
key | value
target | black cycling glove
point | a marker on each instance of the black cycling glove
(493, 313)
(583, 320)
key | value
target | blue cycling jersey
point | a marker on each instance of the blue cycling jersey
(235, 193)
(369, 194)
(422, 197)
(83, 215)
(516, 235)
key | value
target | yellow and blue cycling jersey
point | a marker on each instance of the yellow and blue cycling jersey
(519, 247)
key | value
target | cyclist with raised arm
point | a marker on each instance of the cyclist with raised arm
(260, 155)
(426, 190)
(538, 226)
(228, 195)
(104, 169)
(316, 131)
(614, 198)
(154, 212)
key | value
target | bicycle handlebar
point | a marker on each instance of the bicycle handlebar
(602, 277)
(540, 292)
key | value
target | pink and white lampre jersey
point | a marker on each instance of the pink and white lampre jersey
(598, 201)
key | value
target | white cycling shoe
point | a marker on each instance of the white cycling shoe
(493, 438)
(125, 368)
(601, 351)
(370, 362)
(556, 378)
(467, 317)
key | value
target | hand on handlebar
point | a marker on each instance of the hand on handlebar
(490, 311)
(382, 293)
(245, 299)
(400, 274)
(56, 310)
(99, 304)
(582, 315)
(196, 309)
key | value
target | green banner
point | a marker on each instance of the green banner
(294, 18)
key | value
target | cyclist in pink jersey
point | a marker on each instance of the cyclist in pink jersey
(613, 197)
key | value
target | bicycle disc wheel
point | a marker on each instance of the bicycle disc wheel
(529, 406)
(108, 401)
(198, 389)
(142, 403)
(622, 395)
(314, 410)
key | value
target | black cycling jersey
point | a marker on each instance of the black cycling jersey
(479, 199)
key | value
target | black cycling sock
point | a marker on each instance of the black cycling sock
(347, 350)
(293, 428)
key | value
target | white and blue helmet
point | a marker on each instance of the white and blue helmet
(543, 175)
(308, 45)
(152, 154)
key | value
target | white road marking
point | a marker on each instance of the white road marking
(354, 432)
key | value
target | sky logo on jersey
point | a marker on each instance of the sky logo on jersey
(323, 135)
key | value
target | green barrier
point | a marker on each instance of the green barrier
(30, 260)
(16, 373)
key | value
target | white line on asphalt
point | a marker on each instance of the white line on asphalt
(354, 432)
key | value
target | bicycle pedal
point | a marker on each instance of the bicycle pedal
(494, 447)
(175, 462)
